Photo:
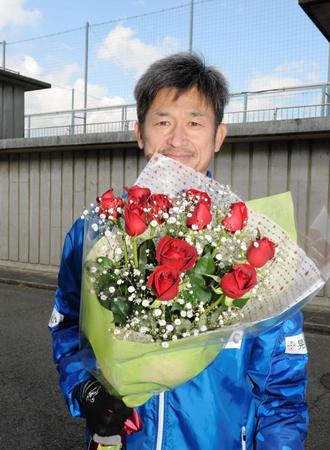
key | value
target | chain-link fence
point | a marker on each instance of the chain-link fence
(259, 45)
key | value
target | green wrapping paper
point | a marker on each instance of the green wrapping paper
(135, 371)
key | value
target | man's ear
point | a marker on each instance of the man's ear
(220, 135)
(138, 134)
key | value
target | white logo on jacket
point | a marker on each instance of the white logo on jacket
(295, 344)
(55, 318)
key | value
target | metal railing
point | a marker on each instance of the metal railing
(295, 102)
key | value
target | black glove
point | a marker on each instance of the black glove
(105, 414)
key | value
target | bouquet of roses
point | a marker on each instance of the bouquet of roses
(172, 269)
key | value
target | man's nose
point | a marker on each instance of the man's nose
(177, 136)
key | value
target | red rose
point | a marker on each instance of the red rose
(164, 282)
(108, 204)
(159, 204)
(137, 194)
(260, 252)
(196, 195)
(239, 280)
(200, 217)
(135, 219)
(176, 253)
(237, 218)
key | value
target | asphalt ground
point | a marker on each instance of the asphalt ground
(33, 412)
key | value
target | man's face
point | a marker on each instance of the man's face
(181, 128)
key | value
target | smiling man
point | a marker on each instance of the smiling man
(252, 396)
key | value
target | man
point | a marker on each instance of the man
(253, 394)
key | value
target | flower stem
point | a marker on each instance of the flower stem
(135, 252)
(213, 305)
(123, 240)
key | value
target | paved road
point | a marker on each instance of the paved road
(33, 413)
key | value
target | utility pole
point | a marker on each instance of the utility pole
(191, 26)
(3, 54)
(86, 74)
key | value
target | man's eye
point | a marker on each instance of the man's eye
(194, 124)
(163, 123)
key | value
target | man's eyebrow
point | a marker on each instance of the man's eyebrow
(198, 114)
(191, 113)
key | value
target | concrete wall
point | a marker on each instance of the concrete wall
(46, 183)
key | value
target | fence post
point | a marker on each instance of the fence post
(275, 114)
(191, 25)
(72, 113)
(86, 74)
(29, 126)
(245, 98)
(3, 54)
(323, 100)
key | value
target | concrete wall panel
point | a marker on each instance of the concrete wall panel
(43, 192)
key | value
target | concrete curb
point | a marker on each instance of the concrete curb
(317, 312)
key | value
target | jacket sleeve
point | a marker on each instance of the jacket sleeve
(64, 321)
(279, 385)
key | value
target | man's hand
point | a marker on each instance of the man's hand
(105, 414)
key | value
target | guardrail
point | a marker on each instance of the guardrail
(294, 102)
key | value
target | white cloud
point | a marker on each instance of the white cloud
(13, 13)
(59, 97)
(288, 74)
(123, 48)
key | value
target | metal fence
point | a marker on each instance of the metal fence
(279, 104)
(258, 45)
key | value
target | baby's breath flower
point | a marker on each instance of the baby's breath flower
(157, 312)
(112, 289)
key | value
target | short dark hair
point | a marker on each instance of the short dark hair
(181, 71)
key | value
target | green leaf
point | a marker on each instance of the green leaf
(205, 265)
(120, 310)
(105, 263)
(142, 254)
(201, 292)
(214, 277)
(240, 302)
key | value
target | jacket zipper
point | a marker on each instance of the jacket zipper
(160, 428)
(243, 438)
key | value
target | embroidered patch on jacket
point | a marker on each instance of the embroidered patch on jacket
(295, 344)
(55, 318)
(235, 340)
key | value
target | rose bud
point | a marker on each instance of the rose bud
(260, 252)
(164, 282)
(137, 194)
(240, 280)
(108, 204)
(135, 219)
(159, 204)
(176, 253)
(196, 195)
(200, 217)
(237, 218)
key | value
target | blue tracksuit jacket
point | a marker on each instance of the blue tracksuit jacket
(252, 397)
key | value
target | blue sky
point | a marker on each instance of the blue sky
(258, 44)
